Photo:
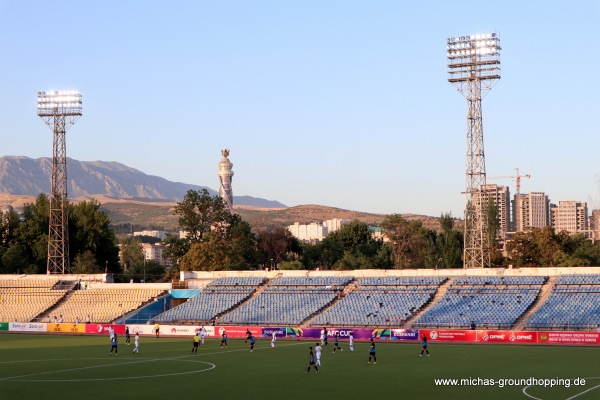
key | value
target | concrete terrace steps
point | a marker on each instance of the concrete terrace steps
(257, 292)
(439, 293)
(545, 292)
(350, 286)
(48, 311)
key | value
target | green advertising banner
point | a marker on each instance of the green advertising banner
(3, 326)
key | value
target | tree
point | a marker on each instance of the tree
(449, 244)
(176, 248)
(273, 245)
(14, 260)
(89, 230)
(493, 222)
(32, 234)
(144, 271)
(131, 253)
(291, 265)
(356, 237)
(331, 251)
(232, 247)
(537, 247)
(241, 243)
(408, 240)
(199, 212)
(351, 260)
(85, 263)
(208, 255)
(9, 223)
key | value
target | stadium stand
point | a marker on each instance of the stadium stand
(103, 305)
(574, 303)
(23, 299)
(490, 302)
(567, 301)
(219, 296)
(288, 301)
(381, 301)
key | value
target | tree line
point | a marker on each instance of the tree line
(217, 240)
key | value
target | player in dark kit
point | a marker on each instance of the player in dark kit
(248, 335)
(311, 361)
(424, 344)
(127, 336)
(113, 345)
(372, 353)
(252, 341)
(223, 339)
(325, 335)
(336, 342)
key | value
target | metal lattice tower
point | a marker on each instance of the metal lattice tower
(474, 68)
(59, 110)
(225, 175)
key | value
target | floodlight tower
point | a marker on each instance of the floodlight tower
(225, 175)
(59, 109)
(474, 68)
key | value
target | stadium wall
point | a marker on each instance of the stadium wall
(207, 276)
(296, 333)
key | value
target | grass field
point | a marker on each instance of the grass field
(69, 367)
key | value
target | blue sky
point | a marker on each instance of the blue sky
(339, 103)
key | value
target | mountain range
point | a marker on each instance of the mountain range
(28, 176)
(133, 198)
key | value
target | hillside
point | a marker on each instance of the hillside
(24, 176)
(159, 214)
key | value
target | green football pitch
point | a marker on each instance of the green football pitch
(69, 367)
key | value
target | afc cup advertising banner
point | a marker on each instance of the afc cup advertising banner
(3, 326)
(359, 334)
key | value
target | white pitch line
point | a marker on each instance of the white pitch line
(570, 398)
(177, 358)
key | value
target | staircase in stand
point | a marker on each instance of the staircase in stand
(541, 299)
(258, 291)
(350, 286)
(440, 292)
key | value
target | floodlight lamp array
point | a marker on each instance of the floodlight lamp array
(59, 102)
(475, 57)
(487, 44)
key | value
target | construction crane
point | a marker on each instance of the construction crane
(516, 177)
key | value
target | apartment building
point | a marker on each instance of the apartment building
(530, 210)
(499, 195)
(151, 233)
(316, 231)
(156, 252)
(570, 216)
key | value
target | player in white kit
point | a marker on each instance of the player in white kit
(274, 338)
(318, 350)
(351, 338)
(136, 343)
(202, 334)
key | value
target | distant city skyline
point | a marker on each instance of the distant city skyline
(338, 103)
